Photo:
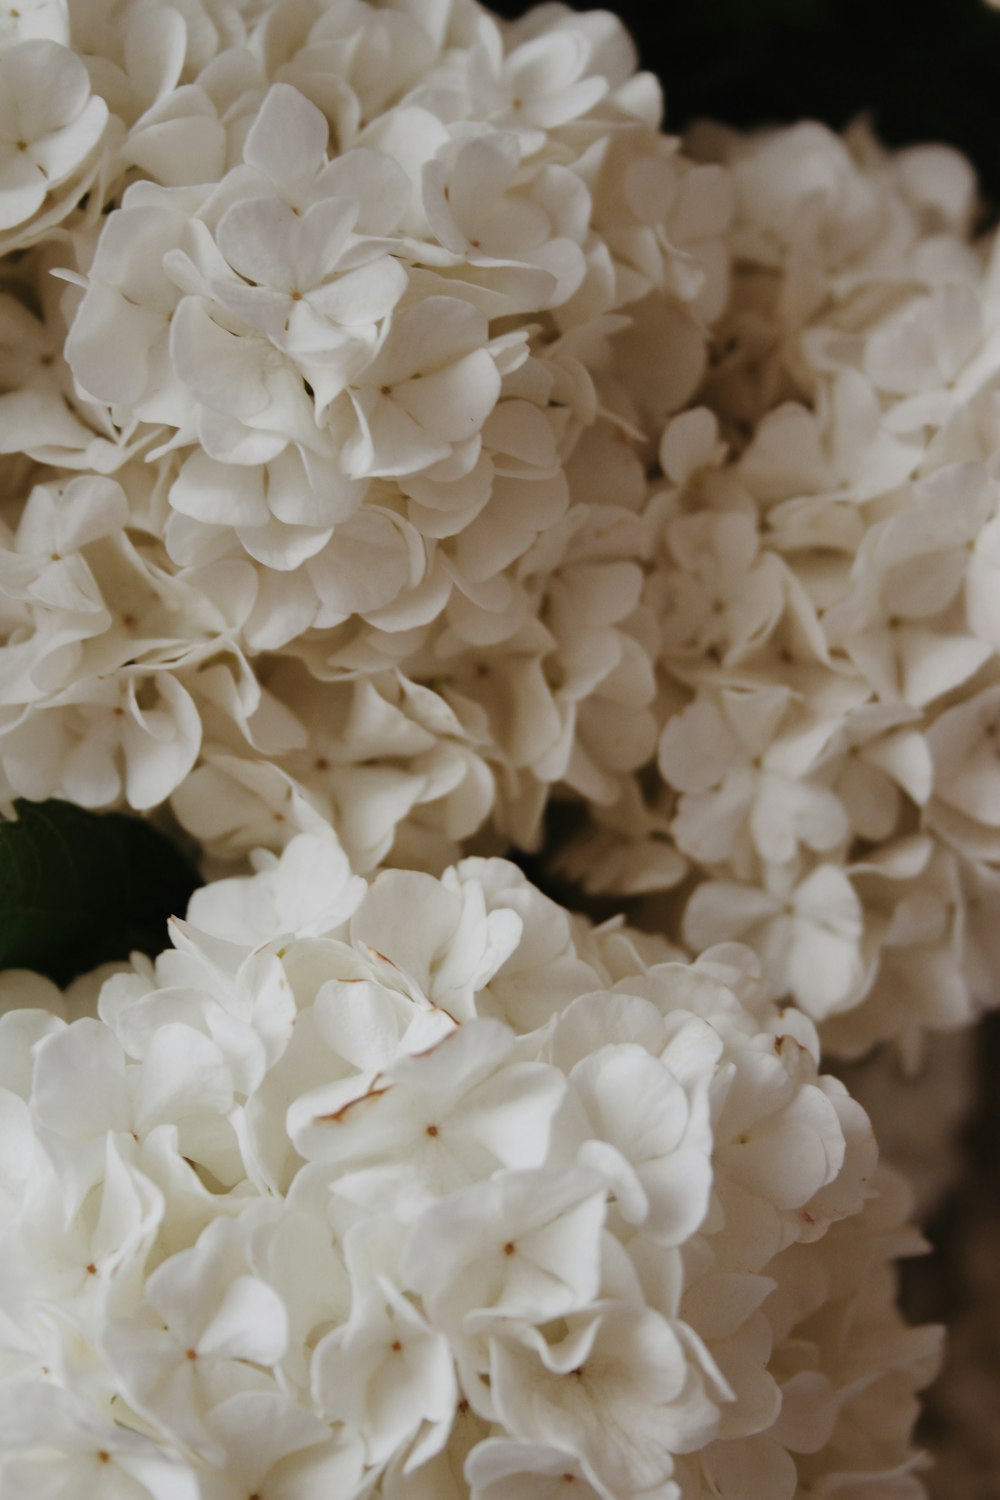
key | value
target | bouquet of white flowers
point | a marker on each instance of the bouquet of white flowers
(411, 457)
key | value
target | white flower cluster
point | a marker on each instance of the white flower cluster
(826, 582)
(423, 1189)
(399, 432)
(346, 286)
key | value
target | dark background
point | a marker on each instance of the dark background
(926, 70)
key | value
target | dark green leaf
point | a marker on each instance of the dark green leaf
(79, 888)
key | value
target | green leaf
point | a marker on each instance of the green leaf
(80, 888)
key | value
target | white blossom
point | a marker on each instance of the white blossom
(808, 933)
(50, 126)
(298, 1210)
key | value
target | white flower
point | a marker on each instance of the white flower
(881, 759)
(216, 1322)
(50, 125)
(128, 291)
(51, 1440)
(934, 355)
(271, 1440)
(478, 209)
(914, 916)
(430, 387)
(276, 1219)
(808, 934)
(356, 63)
(449, 943)
(387, 1370)
(99, 742)
(720, 596)
(435, 1122)
(499, 1468)
(740, 796)
(310, 888)
(902, 623)
(616, 1393)
(287, 259)
(544, 81)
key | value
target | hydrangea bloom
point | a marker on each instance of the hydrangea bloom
(463, 443)
(424, 1187)
(824, 582)
(51, 125)
(349, 297)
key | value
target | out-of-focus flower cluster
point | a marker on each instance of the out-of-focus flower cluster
(425, 1188)
(826, 580)
(402, 433)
